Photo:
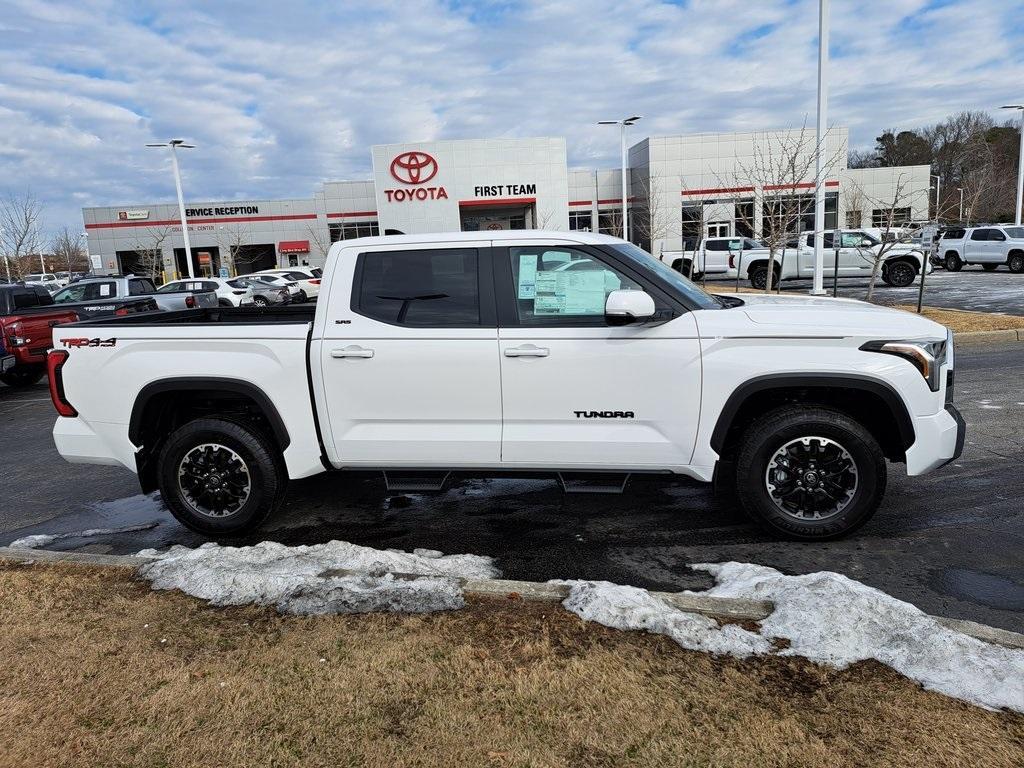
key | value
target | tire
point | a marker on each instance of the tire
(810, 432)
(224, 303)
(953, 262)
(197, 465)
(990, 267)
(899, 274)
(23, 377)
(301, 297)
(1016, 263)
(260, 301)
(758, 277)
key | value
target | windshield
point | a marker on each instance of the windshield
(642, 260)
(1017, 233)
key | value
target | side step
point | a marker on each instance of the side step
(418, 482)
(593, 482)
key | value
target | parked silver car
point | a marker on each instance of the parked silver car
(263, 294)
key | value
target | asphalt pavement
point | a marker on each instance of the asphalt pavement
(951, 542)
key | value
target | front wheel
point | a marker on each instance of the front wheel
(809, 473)
(1016, 263)
(260, 301)
(900, 274)
(221, 478)
(23, 377)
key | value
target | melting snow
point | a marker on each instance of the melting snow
(290, 577)
(42, 539)
(827, 618)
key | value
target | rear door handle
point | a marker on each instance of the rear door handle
(527, 350)
(353, 351)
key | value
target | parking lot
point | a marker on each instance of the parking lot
(949, 542)
(970, 289)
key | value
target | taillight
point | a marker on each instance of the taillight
(314, 281)
(16, 337)
(190, 301)
(121, 312)
(54, 363)
(732, 261)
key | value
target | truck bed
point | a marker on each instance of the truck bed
(298, 315)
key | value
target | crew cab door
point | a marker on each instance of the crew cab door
(576, 392)
(408, 357)
(977, 248)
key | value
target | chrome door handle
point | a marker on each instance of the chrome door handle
(527, 350)
(353, 351)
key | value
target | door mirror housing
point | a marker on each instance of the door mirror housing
(624, 307)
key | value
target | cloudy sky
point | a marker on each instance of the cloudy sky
(281, 95)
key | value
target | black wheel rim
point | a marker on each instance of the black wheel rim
(214, 480)
(1017, 263)
(760, 280)
(902, 274)
(811, 478)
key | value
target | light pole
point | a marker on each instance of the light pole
(961, 190)
(622, 141)
(821, 127)
(39, 248)
(938, 189)
(83, 237)
(174, 144)
(3, 247)
(1020, 159)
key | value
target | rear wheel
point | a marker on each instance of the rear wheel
(23, 377)
(1016, 262)
(810, 473)
(260, 301)
(990, 267)
(953, 262)
(221, 478)
(301, 296)
(758, 276)
(899, 274)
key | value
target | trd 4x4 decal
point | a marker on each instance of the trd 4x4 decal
(88, 342)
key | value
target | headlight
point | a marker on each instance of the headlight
(927, 356)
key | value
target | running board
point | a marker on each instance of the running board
(593, 482)
(416, 481)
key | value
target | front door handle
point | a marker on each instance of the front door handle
(352, 351)
(527, 350)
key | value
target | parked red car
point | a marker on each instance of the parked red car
(27, 318)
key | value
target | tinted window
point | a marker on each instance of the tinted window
(433, 288)
(140, 286)
(317, 272)
(170, 287)
(954, 234)
(24, 298)
(717, 245)
(979, 234)
(298, 276)
(996, 234)
(208, 285)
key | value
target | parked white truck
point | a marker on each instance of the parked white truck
(480, 353)
(989, 246)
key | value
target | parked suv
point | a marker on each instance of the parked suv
(308, 279)
(227, 294)
(989, 246)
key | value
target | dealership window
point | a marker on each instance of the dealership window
(610, 222)
(853, 219)
(718, 229)
(880, 217)
(558, 285)
(352, 230)
(580, 220)
(744, 216)
(796, 212)
(427, 289)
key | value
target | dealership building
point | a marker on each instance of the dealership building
(678, 185)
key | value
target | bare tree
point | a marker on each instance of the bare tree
(783, 181)
(320, 241)
(151, 251)
(19, 225)
(67, 247)
(891, 216)
(652, 221)
(233, 238)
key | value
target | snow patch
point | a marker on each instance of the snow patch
(32, 542)
(827, 618)
(290, 577)
(43, 539)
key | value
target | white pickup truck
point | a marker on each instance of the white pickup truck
(988, 246)
(483, 354)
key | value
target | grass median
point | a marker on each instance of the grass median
(100, 670)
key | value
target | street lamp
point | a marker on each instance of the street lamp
(1020, 159)
(174, 145)
(818, 288)
(961, 190)
(938, 189)
(622, 140)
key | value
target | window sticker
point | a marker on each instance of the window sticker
(104, 289)
(571, 293)
(527, 275)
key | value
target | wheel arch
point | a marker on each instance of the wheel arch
(872, 402)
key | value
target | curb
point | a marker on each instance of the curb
(736, 608)
(986, 337)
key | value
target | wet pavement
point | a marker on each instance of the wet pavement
(970, 289)
(951, 542)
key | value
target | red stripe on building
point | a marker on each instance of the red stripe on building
(497, 201)
(767, 187)
(218, 220)
(608, 201)
(350, 214)
(581, 202)
(712, 191)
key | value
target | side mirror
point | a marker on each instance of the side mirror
(626, 307)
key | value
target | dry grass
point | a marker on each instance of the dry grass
(84, 681)
(959, 321)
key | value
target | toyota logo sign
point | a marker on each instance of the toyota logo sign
(414, 167)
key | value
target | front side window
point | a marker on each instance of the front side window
(426, 289)
(979, 234)
(554, 284)
(995, 234)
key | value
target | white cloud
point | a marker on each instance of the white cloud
(280, 96)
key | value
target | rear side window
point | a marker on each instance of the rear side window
(426, 289)
(717, 245)
(25, 298)
(954, 234)
(139, 287)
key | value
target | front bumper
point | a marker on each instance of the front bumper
(6, 363)
(939, 439)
